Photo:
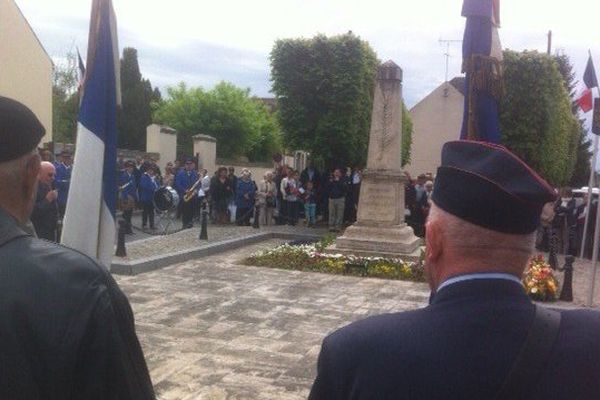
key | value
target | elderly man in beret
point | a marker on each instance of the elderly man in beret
(480, 337)
(66, 329)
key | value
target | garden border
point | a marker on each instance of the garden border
(148, 264)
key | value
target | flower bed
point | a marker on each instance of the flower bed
(312, 258)
(539, 281)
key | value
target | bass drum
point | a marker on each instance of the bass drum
(166, 199)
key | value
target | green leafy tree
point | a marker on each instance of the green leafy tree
(241, 125)
(137, 96)
(581, 173)
(536, 118)
(65, 99)
(324, 87)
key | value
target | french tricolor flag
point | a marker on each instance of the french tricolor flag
(89, 223)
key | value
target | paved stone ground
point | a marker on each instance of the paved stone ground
(213, 329)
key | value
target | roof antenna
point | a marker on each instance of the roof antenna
(447, 55)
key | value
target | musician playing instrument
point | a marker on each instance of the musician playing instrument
(148, 186)
(128, 194)
(185, 180)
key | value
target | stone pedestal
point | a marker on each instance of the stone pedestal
(380, 229)
(162, 140)
(205, 148)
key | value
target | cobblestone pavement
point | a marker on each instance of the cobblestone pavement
(213, 329)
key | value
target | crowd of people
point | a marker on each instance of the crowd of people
(283, 196)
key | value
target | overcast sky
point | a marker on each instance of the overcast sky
(203, 42)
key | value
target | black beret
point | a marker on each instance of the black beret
(489, 186)
(20, 130)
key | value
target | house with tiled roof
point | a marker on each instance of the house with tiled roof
(437, 119)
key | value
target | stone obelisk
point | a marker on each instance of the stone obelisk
(380, 229)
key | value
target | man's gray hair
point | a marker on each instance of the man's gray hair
(462, 234)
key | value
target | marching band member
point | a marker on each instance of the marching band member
(128, 193)
(184, 182)
(148, 185)
(63, 180)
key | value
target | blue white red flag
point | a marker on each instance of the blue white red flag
(89, 223)
(482, 57)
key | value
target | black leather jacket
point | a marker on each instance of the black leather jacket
(66, 329)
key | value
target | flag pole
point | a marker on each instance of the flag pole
(589, 200)
(592, 284)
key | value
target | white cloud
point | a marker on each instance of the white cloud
(203, 42)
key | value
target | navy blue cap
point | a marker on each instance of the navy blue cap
(20, 130)
(489, 186)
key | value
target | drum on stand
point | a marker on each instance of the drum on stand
(166, 200)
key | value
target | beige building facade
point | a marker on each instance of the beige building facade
(436, 119)
(25, 67)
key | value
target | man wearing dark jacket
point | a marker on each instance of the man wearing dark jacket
(481, 337)
(66, 329)
(45, 210)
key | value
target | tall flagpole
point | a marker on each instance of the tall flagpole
(596, 230)
(589, 199)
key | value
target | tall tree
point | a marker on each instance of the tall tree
(324, 87)
(536, 118)
(581, 173)
(137, 96)
(65, 100)
(241, 125)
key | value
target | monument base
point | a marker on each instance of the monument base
(397, 241)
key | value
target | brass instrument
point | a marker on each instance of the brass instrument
(189, 194)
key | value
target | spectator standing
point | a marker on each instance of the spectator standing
(310, 204)
(244, 198)
(221, 192)
(233, 181)
(281, 174)
(310, 174)
(265, 199)
(290, 192)
(45, 210)
(337, 200)
(148, 185)
(169, 176)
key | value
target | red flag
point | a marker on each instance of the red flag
(585, 101)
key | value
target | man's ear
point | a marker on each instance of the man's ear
(32, 172)
(433, 241)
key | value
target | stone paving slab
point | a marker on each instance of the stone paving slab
(214, 329)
